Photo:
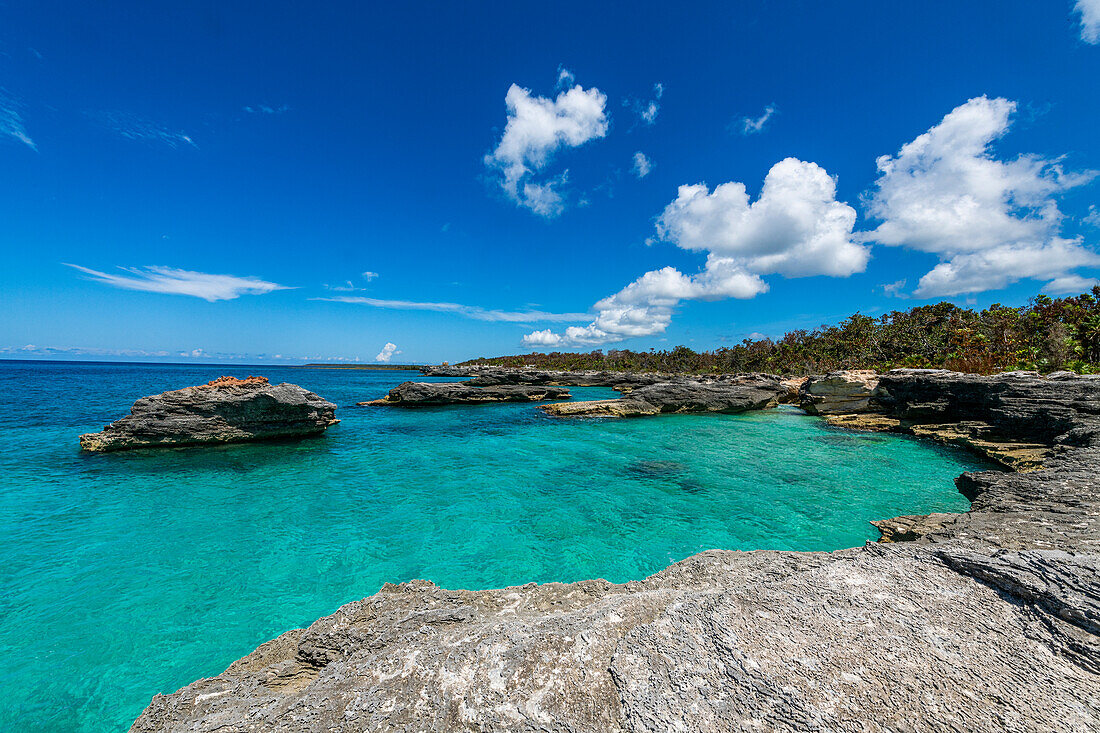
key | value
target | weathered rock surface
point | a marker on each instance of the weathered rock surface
(986, 621)
(423, 394)
(681, 396)
(227, 410)
(867, 639)
(845, 391)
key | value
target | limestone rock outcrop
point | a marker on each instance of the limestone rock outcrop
(846, 391)
(226, 410)
(424, 394)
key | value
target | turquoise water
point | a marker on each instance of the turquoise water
(128, 574)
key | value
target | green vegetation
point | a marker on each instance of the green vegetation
(1047, 334)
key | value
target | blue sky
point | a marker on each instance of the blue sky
(281, 182)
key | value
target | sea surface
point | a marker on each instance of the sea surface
(129, 574)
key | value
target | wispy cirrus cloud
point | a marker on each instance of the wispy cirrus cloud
(11, 120)
(467, 311)
(173, 281)
(266, 109)
(135, 127)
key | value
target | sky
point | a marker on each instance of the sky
(406, 183)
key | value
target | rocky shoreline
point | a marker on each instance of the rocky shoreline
(987, 620)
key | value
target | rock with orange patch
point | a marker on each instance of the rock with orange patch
(225, 410)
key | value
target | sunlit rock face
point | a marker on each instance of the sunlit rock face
(846, 391)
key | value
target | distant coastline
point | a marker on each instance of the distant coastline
(371, 367)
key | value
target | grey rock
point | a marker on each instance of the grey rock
(422, 394)
(867, 639)
(1024, 405)
(227, 410)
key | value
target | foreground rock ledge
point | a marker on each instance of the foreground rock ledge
(423, 394)
(226, 410)
(983, 621)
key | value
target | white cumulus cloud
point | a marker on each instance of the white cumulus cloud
(642, 165)
(173, 281)
(1090, 20)
(387, 352)
(991, 222)
(796, 228)
(536, 129)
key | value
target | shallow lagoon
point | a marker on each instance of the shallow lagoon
(128, 574)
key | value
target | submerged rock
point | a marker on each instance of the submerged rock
(418, 394)
(226, 410)
(684, 395)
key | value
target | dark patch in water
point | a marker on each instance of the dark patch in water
(655, 469)
(692, 487)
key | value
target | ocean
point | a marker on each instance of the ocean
(128, 574)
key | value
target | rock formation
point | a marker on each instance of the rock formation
(679, 396)
(423, 394)
(1016, 418)
(226, 410)
(987, 620)
(845, 391)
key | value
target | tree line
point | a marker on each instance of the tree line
(1046, 335)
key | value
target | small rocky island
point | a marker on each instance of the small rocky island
(226, 410)
(425, 394)
(987, 620)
